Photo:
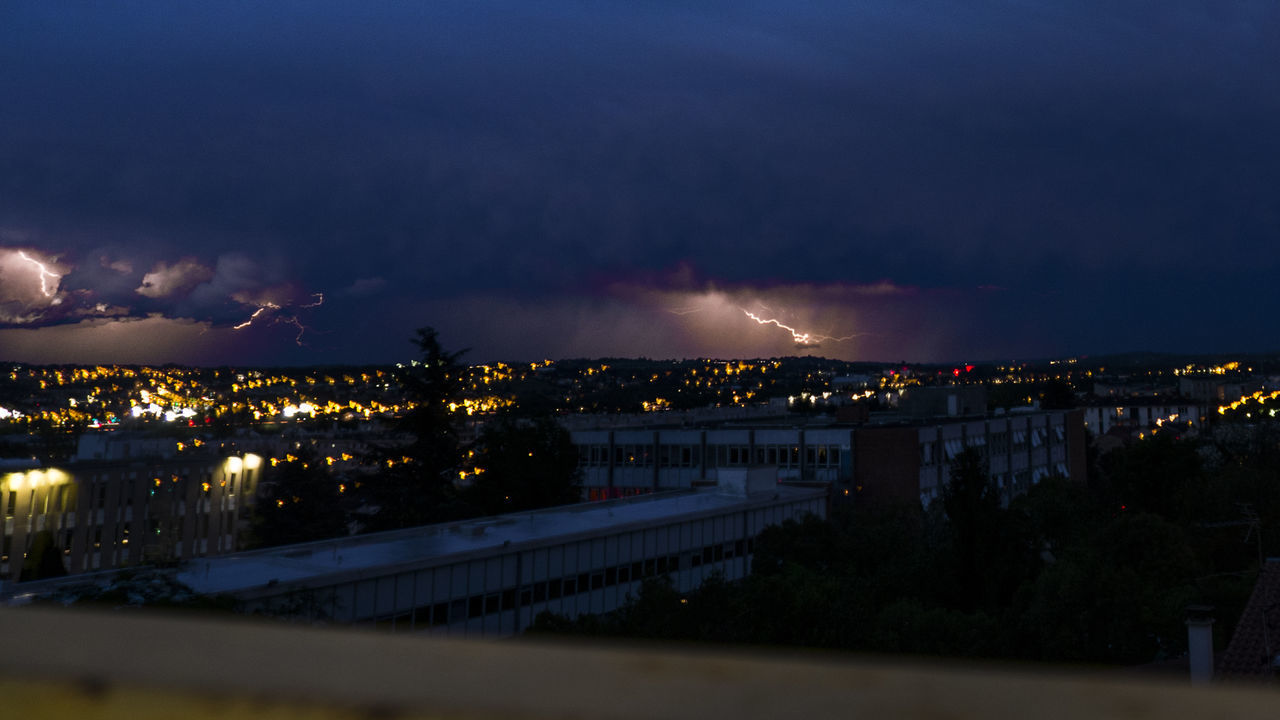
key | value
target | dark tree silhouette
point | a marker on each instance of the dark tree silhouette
(44, 559)
(1057, 395)
(300, 501)
(414, 481)
(526, 464)
(972, 504)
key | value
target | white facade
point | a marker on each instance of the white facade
(1101, 419)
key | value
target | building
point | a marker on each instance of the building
(1141, 415)
(943, 401)
(104, 514)
(492, 576)
(1206, 388)
(126, 498)
(1254, 651)
(893, 458)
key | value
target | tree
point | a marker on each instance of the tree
(985, 540)
(1160, 474)
(300, 502)
(524, 465)
(1118, 597)
(1057, 395)
(44, 559)
(414, 481)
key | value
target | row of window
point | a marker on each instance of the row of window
(945, 451)
(56, 500)
(717, 456)
(168, 527)
(62, 498)
(783, 456)
(1021, 480)
(476, 606)
(1012, 483)
(614, 493)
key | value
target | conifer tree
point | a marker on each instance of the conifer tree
(414, 481)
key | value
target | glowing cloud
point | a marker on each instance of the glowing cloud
(845, 320)
(57, 300)
(124, 267)
(29, 286)
(180, 278)
(122, 340)
(46, 276)
(801, 339)
(660, 318)
(722, 312)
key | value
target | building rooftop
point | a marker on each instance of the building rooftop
(1255, 644)
(434, 544)
(876, 419)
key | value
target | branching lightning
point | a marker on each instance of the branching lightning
(45, 275)
(286, 320)
(800, 338)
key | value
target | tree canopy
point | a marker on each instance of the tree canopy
(524, 464)
(1067, 572)
(414, 479)
(300, 502)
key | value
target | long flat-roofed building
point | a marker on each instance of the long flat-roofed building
(896, 458)
(492, 576)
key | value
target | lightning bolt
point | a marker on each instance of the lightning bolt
(799, 337)
(261, 309)
(45, 274)
(289, 320)
(295, 322)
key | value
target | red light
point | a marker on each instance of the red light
(968, 368)
(956, 372)
(1124, 507)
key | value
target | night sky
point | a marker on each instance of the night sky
(308, 182)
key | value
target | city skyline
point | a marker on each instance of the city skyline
(305, 184)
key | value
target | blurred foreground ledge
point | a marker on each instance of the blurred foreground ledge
(68, 663)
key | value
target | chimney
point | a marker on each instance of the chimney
(1200, 643)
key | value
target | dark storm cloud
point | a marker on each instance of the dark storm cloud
(1105, 165)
